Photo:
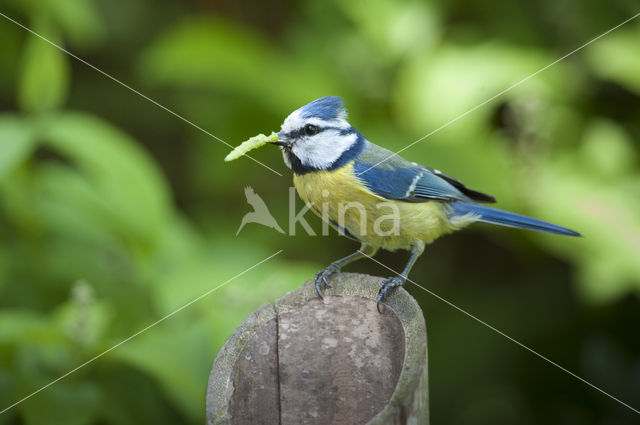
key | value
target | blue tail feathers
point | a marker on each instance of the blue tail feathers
(504, 218)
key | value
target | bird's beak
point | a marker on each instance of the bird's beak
(282, 141)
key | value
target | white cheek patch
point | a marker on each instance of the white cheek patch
(286, 159)
(322, 150)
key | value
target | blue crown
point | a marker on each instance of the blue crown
(326, 108)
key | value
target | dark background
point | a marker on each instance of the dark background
(113, 213)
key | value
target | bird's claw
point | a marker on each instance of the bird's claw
(386, 287)
(321, 279)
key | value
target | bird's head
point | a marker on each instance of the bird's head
(318, 136)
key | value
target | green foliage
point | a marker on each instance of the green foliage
(44, 75)
(190, 54)
(104, 161)
(113, 213)
(17, 143)
(610, 58)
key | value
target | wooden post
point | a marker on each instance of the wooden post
(331, 361)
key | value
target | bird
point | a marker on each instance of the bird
(376, 197)
(260, 213)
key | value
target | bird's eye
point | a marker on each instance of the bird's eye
(311, 129)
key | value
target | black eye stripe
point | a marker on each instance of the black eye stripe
(300, 132)
(294, 134)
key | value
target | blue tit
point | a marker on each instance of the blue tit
(376, 197)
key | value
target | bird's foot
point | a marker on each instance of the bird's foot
(386, 287)
(321, 278)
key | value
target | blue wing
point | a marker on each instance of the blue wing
(397, 178)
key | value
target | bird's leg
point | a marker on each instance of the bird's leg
(322, 275)
(390, 283)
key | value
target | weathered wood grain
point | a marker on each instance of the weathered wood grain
(331, 361)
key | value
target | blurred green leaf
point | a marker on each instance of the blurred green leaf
(132, 398)
(77, 19)
(24, 326)
(607, 216)
(177, 358)
(395, 28)
(610, 57)
(70, 402)
(438, 87)
(126, 185)
(16, 143)
(68, 199)
(44, 74)
(607, 149)
(217, 54)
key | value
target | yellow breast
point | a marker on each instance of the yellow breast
(340, 198)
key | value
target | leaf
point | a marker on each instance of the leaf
(394, 28)
(438, 87)
(608, 217)
(607, 149)
(133, 397)
(177, 358)
(16, 143)
(66, 201)
(610, 57)
(217, 54)
(126, 185)
(79, 19)
(44, 74)
(70, 403)
(21, 327)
